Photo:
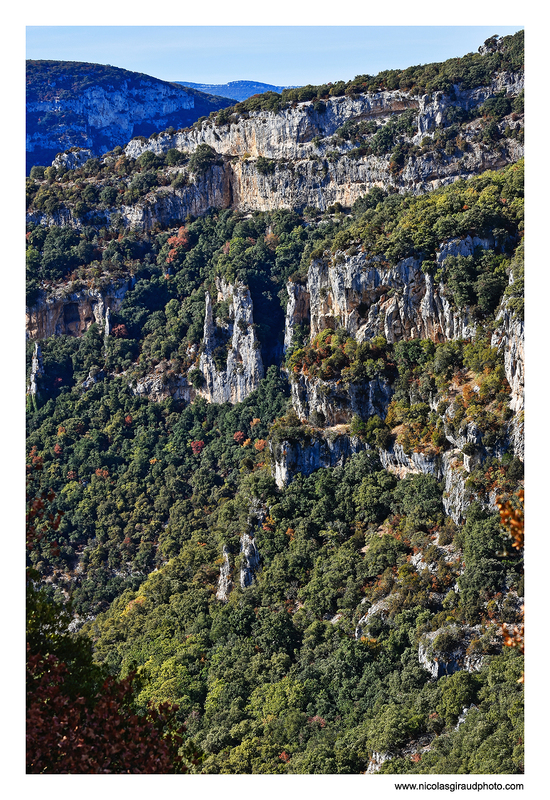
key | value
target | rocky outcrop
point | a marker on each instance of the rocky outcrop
(94, 376)
(375, 762)
(310, 165)
(445, 651)
(250, 559)
(333, 403)
(328, 448)
(289, 133)
(509, 337)
(225, 583)
(332, 447)
(400, 463)
(213, 189)
(249, 555)
(313, 181)
(369, 298)
(448, 467)
(73, 158)
(71, 312)
(463, 714)
(37, 371)
(297, 311)
(456, 496)
(163, 383)
(234, 341)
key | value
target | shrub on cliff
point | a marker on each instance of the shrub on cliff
(202, 159)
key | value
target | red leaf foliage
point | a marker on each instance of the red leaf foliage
(67, 736)
(120, 331)
(179, 243)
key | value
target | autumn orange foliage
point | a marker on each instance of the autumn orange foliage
(512, 519)
(178, 242)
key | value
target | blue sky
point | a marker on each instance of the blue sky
(280, 55)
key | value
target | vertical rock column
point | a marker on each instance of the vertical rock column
(244, 367)
(250, 559)
(37, 371)
(224, 581)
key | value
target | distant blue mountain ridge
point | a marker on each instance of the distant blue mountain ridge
(236, 90)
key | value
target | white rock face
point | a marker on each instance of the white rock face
(37, 370)
(509, 337)
(303, 174)
(224, 581)
(376, 761)
(238, 184)
(250, 559)
(289, 133)
(297, 310)
(331, 404)
(306, 172)
(283, 134)
(439, 663)
(244, 367)
(160, 384)
(211, 190)
(400, 302)
(72, 159)
(330, 448)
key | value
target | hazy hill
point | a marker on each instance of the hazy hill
(237, 90)
(96, 106)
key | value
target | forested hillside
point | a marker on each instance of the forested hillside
(275, 410)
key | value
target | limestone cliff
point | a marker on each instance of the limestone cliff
(163, 383)
(309, 164)
(447, 467)
(334, 446)
(230, 361)
(250, 559)
(225, 583)
(453, 655)
(293, 158)
(331, 447)
(289, 133)
(37, 371)
(316, 182)
(510, 337)
(334, 403)
(71, 312)
(368, 298)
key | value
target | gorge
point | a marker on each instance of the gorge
(276, 395)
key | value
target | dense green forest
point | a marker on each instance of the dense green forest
(359, 621)
(269, 681)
